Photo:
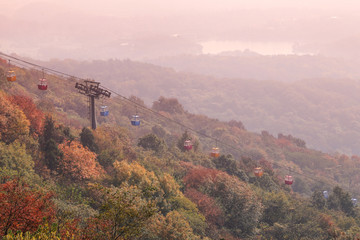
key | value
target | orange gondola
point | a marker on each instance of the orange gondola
(258, 172)
(11, 76)
(215, 152)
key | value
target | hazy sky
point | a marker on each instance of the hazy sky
(130, 28)
(154, 7)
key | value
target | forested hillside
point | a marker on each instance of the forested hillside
(321, 111)
(61, 180)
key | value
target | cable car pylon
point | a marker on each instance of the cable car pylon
(93, 91)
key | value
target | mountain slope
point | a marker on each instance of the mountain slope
(140, 183)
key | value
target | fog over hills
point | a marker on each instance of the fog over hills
(122, 29)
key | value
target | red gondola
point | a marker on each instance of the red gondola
(42, 84)
(289, 180)
(187, 145)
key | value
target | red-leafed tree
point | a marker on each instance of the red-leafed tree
(207, 206)
(78, 163)
(240, 205)
(33, 114)
(22, 208)
(200, 175)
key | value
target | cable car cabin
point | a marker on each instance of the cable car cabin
(258, 172)
(215, 152)
(187, 145)
(104, 111)
(42, 84)
(289, 180)
(135, 120)
(354, 201)
(326, 194)
(11, 76)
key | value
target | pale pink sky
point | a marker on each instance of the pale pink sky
(155, 7)
(70, 28)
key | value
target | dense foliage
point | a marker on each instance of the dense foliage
(59, 180)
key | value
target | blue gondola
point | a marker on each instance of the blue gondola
(104, 111)
(135, 120)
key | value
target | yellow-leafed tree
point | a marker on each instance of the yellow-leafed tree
(13, 122)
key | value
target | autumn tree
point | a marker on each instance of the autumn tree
(22, 208)
(43, 232)
(114, 145)
(87, 139)
(13, 122)
(14, 161)
(33, 114)
(228, 164)
(239, 203)
(78, 162)
(318, 200)
(276, 208)
(341, 200)
(159, 131)
(152, 142)
(207, 206)
(173, 226)
(170, 105)
(123, 214)
(135, 175)
(48, 144)
(3, 81)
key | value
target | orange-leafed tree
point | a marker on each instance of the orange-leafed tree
(33, 114)
(22, 208)
(77, 162)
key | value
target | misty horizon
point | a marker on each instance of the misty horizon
(144, 30)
